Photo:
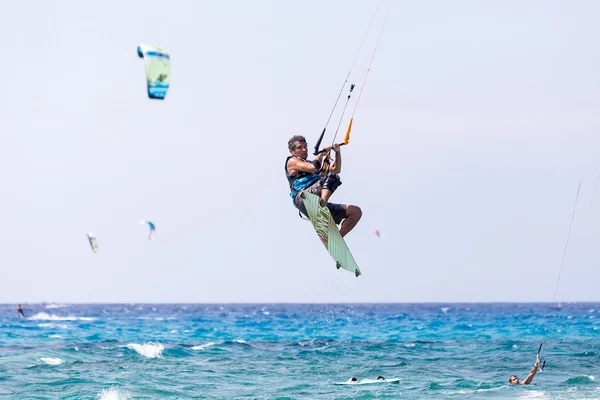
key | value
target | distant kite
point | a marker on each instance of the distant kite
(376, 232)
(93, 241)
(152, 228)
(158, 70)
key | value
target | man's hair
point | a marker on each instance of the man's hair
(293, 140)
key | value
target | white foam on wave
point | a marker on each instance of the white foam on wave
(54, 305)
(533, 394)
(42, 316)
(204, 346)
(149, 350)
(51, 325)
(113, 394)
(52, 360)
(55, 337)
(471, 391)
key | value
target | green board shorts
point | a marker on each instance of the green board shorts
(338, 211)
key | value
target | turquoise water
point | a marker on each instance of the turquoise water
(293, 351)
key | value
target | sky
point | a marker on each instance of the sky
(477, 123)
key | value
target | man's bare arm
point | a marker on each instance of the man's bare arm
(296, 165)
(532, 373)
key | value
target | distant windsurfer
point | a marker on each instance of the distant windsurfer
(513, 380)
(306, 175)
(21, 312)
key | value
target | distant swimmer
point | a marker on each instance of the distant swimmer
(370, 381)
(513, 380)
(20, 310)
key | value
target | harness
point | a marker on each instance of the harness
(300, 180)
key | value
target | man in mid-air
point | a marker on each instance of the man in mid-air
(306, 175)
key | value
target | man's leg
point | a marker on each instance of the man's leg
(348, 216)
(330, 184)
(353, 215)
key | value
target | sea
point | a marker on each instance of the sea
(298, 351)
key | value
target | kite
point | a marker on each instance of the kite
(93, 241)
(151, 226)
(158, 68)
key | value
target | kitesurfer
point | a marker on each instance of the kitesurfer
(513, 380)
(21, 312)
(305, 175)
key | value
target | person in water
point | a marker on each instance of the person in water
(353, 379)
(305, 175)
(513, 380)
(21, 312)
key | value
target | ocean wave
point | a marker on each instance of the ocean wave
(42, 316)
(113, 394)
(52, 360)
(533, 394)
(54, 305)
(148, 350)
(581, 380)
(463, 327)
(204, 346)
(52, 325)
(55, 337)
(224, 343)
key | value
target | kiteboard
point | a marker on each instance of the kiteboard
(328, 232)
(370, 381)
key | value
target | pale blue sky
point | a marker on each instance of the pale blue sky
(477, 123)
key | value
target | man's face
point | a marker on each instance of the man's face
(514, 380)
(300, 150)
